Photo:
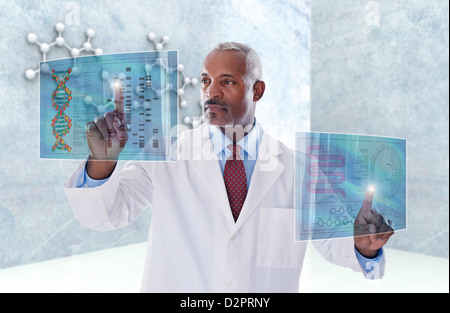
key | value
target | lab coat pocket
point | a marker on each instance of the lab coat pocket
(276, 240)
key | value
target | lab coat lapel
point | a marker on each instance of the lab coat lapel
(266, 172)
(207, 167)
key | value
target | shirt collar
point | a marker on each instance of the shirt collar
(249, 143)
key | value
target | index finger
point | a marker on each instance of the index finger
(368, 198)
(365, 213)
(118, 98)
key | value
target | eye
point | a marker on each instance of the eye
(229, 82)
(204, 80)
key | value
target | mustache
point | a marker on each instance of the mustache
(213, 101)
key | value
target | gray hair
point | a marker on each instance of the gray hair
(253, 62)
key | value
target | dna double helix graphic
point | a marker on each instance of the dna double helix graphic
(61, 123)
(324, 181)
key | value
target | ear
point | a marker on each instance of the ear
(258, 90)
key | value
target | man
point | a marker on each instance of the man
(223, 215)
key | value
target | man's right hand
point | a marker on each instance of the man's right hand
(107, 136)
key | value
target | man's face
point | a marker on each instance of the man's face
(226, 95)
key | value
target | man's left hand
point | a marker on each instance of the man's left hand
(371, 231)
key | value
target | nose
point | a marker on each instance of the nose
(214, 91)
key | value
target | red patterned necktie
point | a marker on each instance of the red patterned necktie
(235, 180)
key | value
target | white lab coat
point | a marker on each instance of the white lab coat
(194, 244)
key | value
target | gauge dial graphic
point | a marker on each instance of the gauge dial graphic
(386, 171)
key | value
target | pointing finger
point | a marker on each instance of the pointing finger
(364, 216)
(118, 98)
(368, 198)
(121, 132)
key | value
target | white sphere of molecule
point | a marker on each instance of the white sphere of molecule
(105, 75)
(151, 36)
(88, 99)
(136, 105)
(90, 33)
(45, 68)
(196, 123)
(165, 39)
(183, 104)
(187, 120)
(75, 52)
(30, 74)
(32, 38)
(98, 51)
(187, 80)
(44, 47)
(194, 81)
(180, 67)
(180, 91)
(146, 104)
(138, 89)
(60, 41)
(159, 46)
(101, 109)
(75, 70)
(59, 27)
(87, 46)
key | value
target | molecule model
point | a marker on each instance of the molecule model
(59, 41)
(184, 82)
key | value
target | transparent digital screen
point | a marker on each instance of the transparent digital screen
(332, 175)
(74, 91)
